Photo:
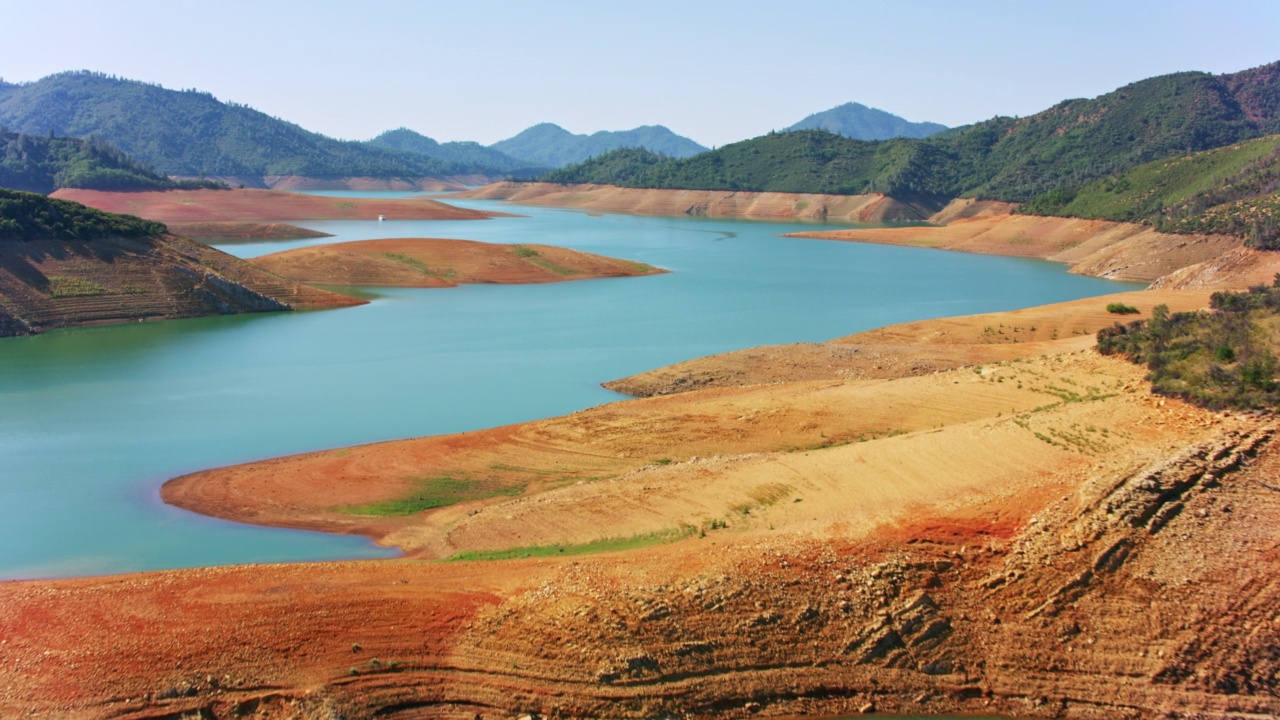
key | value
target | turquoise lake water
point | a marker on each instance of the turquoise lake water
(93, 420)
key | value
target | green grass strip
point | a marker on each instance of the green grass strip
(602, 545)
(435, 492)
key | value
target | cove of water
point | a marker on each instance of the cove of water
(93, 420)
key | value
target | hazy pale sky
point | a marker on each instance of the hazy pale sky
(715, 71)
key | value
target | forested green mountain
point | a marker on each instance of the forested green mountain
(190, 133)
(43, 164)
(550, 145)
(1013, 159)
(859, 122)
(801, 161)
(471, 154)
(29, 216)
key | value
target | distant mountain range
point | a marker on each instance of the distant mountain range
(857, 121)
(190, 133)
(1011, 159)
(471, 154)
(550, 145)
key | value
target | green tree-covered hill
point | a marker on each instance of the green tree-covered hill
(1231, 190)
(550, 145)
(1011, 159)
(30, 216)
(43, 164)
(192, 133)
(859, 122)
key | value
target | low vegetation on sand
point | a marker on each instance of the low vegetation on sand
(437, 491)
(603, 545)
(1224, 358)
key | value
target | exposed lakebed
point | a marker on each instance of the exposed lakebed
(93, 420)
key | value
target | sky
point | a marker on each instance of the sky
(715, 71)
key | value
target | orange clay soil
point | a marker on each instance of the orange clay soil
(625, 469)
(192, 206)
(916, 348)
(1073, 547)
(1120, 251)
(873, 208)
(421, 262)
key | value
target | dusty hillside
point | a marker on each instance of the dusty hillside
(192, 206)
(1235, 269)
(710, 203)
(1072, 547)
(908, 349)
(422, 262)
(49, 284)
(1119, 251)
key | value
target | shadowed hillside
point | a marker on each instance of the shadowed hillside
(64, 264)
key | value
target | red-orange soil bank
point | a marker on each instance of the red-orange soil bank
(189, 206)
(422, 262)
(710, 203)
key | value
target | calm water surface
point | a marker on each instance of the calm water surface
(93, 420)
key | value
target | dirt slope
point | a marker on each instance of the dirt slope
(49, 284)
(422, 262)
(711, 203)
(916, 348)
(1119, 251)
(976, 567)
(192, 206)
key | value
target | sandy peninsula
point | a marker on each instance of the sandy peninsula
(245, 205)
(964, 515)
(430, 262)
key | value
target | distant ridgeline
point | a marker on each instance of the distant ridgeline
(466, 154)
(43, 164)
(191, 133)
(29, 216)
(857, 121)
(550, 145)
(1044, 160)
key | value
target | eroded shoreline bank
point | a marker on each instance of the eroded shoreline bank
(1026, 531)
